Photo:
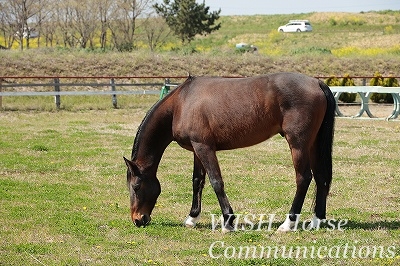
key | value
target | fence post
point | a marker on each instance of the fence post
(164, 89)
(57, 89)
(114, 96)
(1, 97)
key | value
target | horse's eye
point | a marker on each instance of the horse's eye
(136, 187)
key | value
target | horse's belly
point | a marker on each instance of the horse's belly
(244, 138)
(225, 132)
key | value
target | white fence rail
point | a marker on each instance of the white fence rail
(365, 93)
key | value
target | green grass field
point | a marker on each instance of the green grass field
(64, 199)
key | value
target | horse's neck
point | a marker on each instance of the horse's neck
(154, 137)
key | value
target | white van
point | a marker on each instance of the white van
(296, 26)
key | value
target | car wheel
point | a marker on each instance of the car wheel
(298, 30)
(280, 30)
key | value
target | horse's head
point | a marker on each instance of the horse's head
(143, 191)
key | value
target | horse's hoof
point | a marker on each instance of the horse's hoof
(287, 226)
(315, 223)
(191, 221)
(227, 229)
(283, 229)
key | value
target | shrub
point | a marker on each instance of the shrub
(333, 22)
(332, 81)
(378, 80)
(390, 82)
(346, 81)
(346, 21)
(184, 50)
(388, 30)
(345, 96)
(312, 49)
(125, 47)
(355, 21)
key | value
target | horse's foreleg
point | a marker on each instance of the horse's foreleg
(198, 185)
(303, 179)
(209, 160)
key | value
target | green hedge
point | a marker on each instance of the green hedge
(346, 81)
(378, 80)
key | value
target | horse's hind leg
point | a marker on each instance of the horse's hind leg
(198, 185)
(209, 160)
(317, 167)
(301, 164)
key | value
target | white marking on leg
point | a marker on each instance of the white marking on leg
(287, 225)
(315, 223)
(191, 221)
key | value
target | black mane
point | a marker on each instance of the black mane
(148, 114)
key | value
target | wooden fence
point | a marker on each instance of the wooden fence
(113, 88)
(10, 87)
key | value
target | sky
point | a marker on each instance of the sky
(261, 7)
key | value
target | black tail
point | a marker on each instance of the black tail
(325, 136)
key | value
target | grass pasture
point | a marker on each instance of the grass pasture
(64, 199)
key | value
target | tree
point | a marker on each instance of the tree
(64, 13)
(43, 20)
(104, 7)
(7, 26)
(74, 23)
(46, 22)
(19, 13)
(84, 21)
(123, 24)
(186, 18)
(156, 31)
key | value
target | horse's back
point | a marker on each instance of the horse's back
(275, 87)
(239, 112)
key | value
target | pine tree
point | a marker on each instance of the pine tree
(186, 18)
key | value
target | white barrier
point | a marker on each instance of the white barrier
(365, 93)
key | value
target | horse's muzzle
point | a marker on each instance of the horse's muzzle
(143, 221)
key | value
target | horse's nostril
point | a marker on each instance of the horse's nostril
(145, 220)
(137, 222)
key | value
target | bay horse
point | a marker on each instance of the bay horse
(207, 114)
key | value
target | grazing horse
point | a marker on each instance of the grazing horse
(207, 114)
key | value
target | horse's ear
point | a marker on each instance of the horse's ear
(190, 77)
(132, 167)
